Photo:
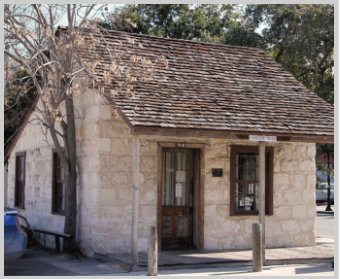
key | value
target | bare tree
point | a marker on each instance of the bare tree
(61, 62)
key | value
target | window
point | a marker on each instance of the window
(20, 161)
(58, 187)
(244, 178)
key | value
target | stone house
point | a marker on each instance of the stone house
(197, 170)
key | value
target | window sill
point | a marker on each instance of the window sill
(58, 213)
(249, 214)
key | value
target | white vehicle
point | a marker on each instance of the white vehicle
(322, 192)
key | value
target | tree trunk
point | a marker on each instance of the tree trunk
(70, 245)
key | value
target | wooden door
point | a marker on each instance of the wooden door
(177, 199)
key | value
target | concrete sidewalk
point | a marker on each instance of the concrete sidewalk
(323, 252)
(314, 260)
(323, 269)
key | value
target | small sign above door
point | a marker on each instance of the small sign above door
(262, 138)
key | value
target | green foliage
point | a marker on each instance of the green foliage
(243, 36)
(17, 102)
(200, 22)
(301, 38)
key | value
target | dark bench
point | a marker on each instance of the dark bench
(56, 235)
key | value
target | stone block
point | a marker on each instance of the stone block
(291, 195)
(209, 211)
(289, 165)
(147, 162)
(149, 196)
(143, 244)
(121, 178)
(222, 211)
(299, 181)
(299, 211)
(283, 212)
(307, 226)
(300, 151)
(311, 210)
(213, 196)
(307, 165)
(149, 211)
(311, 151)
(104, 145)
(281, 179)
(277, 165)
(308, 196)
(290, 226)
(311, 181)
(124, 195)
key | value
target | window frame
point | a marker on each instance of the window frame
(269, 169)
(17, 202)
(55, 208)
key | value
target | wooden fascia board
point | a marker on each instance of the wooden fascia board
(229, 135)
(120, 113)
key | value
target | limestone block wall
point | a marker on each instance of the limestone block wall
(38, 179)
(104, 147)
(38, 169)
(293, 221)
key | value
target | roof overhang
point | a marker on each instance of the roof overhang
(173, 132)
(205, 133)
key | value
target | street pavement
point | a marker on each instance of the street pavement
(324, 222)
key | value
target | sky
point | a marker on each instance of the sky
(111, 7)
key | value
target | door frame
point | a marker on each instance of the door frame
(200, 219)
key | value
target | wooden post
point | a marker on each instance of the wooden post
(152, 252)
(257, 247)
(135, 200)
(262, 195)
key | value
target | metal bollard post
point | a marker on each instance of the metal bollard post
(152, 253)
(257, 246)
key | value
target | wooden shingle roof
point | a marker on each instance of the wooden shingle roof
(217, 87)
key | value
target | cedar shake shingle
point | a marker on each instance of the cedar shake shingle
(219, 87)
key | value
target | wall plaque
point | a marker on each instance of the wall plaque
(217, 172)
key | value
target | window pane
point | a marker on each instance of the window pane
(61, 203)
(236, 203)
(250, 161)
(168, 178)
(240, 159)
(250, 174)
(181, 191)
(61, 173)
(250, 189)
(240, 201)
(240, 173)
(239, 189)
(60, 189)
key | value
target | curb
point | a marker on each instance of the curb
(128, 267)
(326, 212)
